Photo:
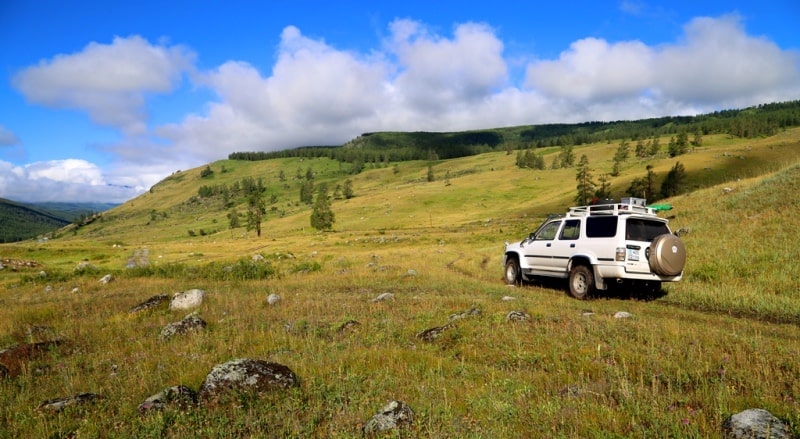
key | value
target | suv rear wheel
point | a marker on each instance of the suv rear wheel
(581, 282)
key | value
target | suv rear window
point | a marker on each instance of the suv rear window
(644, 230)
(601, 226)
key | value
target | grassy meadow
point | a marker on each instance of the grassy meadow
(725, 339)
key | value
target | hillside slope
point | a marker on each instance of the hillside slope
(19, 221)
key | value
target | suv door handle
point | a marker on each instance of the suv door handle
(548, 244)
(572, 245)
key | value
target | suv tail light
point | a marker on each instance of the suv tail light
(620, 256)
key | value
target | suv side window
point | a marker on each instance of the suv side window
(571, 230)
(601, 226)
(548, 232)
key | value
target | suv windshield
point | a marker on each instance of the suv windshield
(644, 230)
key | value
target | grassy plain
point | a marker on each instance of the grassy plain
(725, 339)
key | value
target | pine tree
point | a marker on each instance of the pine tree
(586, 187)
(674, 181)
(604, 191)
(322, 217)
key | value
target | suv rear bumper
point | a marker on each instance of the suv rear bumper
(620, 272)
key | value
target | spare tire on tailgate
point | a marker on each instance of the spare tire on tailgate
(667, 255)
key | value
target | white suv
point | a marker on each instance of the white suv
(593, 245)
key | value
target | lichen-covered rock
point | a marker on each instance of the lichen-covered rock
(395, 414)
(348, 326)
(152, 302)
(517, 316)
(434, 333)
(187, 299)
(464, 314)
(754, 424)
(190, 323)
(59, 404)
(246, 374)
(179, 396)
(106, 279)
(273, 298)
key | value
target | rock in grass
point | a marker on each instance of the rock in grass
(58, 404)
(754, 424)
(273, 298)
(106, 279)
(395, 414)
(245, 374)
(187, 299)
(179, 396)
(383, 297)
(464, 314)
(190, 323)
(517, 316)
(434, 333)
(348, 326)
(152, 302)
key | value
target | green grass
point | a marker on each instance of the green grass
(723, 340)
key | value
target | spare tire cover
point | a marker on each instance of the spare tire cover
(667, 255)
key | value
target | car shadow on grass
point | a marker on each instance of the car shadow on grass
(622, 291)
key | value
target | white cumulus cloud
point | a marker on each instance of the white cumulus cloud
(108, 81)
(716, 65)
(60, 180)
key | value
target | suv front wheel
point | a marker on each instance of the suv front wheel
(513, 276)
(581, 282)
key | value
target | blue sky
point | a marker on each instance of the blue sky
(101, 100)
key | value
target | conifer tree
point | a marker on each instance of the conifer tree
(322, 217)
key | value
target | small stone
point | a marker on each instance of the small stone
(383, 297)
(393, 415)
(106, 279)
(517, 316)
(433, 333)
(59, 404)
(622, 315)
(507, 298)
(180, 396)
(272, 299)
(189, 323)
(348, 326)
(464, 314)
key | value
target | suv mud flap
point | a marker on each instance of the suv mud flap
(599, 282)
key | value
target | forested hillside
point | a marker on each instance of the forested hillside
(18, 221)
(384, 147)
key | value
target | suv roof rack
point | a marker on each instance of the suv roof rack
(610, 209)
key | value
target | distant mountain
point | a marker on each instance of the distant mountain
(72, 211)
(20, 221)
